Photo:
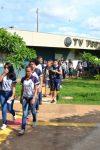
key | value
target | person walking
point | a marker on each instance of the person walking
(28, 98)
(55, 73)
(38, 74)
(7, 92)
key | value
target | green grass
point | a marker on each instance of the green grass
(18, 89)
(83, 92)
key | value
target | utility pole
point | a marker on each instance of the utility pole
(37, 12)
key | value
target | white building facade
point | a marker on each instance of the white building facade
(52, 46)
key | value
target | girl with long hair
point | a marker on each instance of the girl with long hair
(7, 92)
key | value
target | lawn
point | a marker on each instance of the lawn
(82, 91)
(18, 89)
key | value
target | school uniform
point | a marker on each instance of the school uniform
(47, 80)
(27, 96)
(55, 78)
(39, 71)
(5, 93)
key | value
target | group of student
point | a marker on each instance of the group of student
(31, 93)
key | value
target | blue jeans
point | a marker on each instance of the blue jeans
(37, 103)
(40, 97)
(4, 96)
(26, 105)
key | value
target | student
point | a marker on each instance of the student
(38, 74)
(85, 68)
(55, 79)
(7, 93)
(28, 97)
(70, 67)
(79, 69)
(39, 64)
(46, 76)
(63, 65)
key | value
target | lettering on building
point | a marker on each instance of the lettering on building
(78, 41)
(81, 42)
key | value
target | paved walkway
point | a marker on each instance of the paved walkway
(53, 111)
(57, 115)
(91, 142)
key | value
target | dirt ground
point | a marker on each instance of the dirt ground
(49, 137)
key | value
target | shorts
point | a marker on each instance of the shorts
(55, 84)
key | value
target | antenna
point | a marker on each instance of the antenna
(37, 12)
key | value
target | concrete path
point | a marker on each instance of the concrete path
(91, 142)
(53, 111)
(65, 119)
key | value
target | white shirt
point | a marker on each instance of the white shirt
(84, 64)
(7, 84)
(39, 67)
(28, 86)
(35, 75)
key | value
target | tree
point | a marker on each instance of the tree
(4, 43)
(91, 58)
(15, 49)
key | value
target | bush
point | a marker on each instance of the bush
(91, 58)
(97, 77)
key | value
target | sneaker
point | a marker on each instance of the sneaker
(35, 124)
(3, 127)
(21, 132)
(37, 111)
(29, 114)
(53, 101)
(40, 103)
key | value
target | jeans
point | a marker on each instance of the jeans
(26, 105)
(4, 96)
(37, 103)
(40, 97)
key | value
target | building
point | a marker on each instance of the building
(52, 46)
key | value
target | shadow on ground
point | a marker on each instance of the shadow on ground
(91, 117)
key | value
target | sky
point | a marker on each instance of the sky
(67, 17)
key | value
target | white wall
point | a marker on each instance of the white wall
(51, 40)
